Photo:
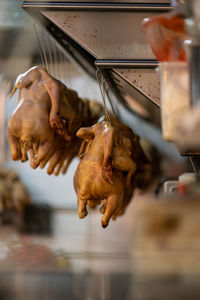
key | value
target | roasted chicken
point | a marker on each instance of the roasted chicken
(46, 120)
(108, 170)
(48, 124)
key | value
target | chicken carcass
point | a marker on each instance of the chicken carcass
(108, 170)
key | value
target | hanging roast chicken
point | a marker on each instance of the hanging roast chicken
(46, 120)
(45, 124)
(108, 171)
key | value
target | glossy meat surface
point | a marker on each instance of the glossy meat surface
(45, 121)
(108, 171)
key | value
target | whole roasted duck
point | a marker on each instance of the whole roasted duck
(109, 169)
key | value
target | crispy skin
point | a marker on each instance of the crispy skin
(108, 171)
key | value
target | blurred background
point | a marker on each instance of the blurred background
(54, 255)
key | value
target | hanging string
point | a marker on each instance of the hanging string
(44, 50)
(68, 73)
(63, 67)
(102, 90)
(60, 58)
(55, 60)
(114, 107)
(67, 69)
(39, 45)
(50, 54)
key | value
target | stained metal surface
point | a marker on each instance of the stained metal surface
(143, 76)
(136, 98)
(146, 81)
(107, 35)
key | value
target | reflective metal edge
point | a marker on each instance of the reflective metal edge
(97, 6)
(126, 64)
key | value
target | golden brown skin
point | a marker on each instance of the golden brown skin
(108, 169)
(45, 121)
(29, 126)
(38, 86)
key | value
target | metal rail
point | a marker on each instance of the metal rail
(94, 6)
(126, 63)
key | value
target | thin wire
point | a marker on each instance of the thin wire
(63, 68)
(44, 50)
(50, 54)
(53, 57)
(39, 46)
(114, 107)
(60, 65)
(115, 112)
(102, 95)
(55, 60)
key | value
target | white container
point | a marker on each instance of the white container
(175, 99)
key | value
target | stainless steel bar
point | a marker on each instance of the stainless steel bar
(125, 64)
(194, 65)
(97, 6)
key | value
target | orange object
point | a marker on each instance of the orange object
(166, 35)
(182, 189)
